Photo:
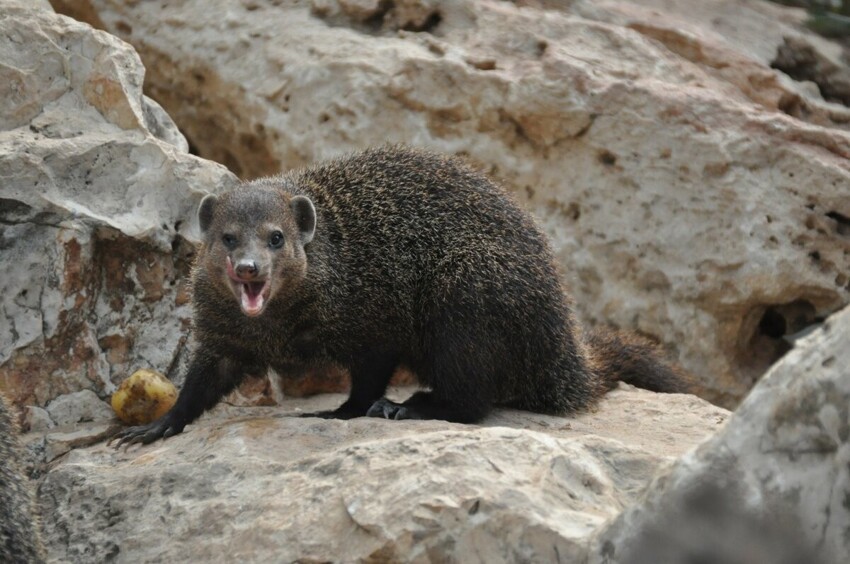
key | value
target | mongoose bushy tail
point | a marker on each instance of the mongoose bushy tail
(20, 541)
(385, 258)
(626, 357)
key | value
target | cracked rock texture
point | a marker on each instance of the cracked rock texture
(97, 205)
(781, 466)
(255, 484)
(692, 191)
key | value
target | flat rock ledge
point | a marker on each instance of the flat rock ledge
(258, 484)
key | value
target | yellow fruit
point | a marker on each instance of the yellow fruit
(143, 397)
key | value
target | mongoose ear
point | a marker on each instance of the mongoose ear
(205, 212)
(305, 217)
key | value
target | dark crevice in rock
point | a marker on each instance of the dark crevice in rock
(607, 158)
(386, 17)
(773, 331)
(428, 26)
(842, 222)
(797, 58)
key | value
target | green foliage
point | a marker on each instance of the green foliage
(829, 24)
(830, 18)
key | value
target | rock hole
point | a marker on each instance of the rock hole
(428, 26)
(324, 118)
(791, 104)
(772, 331)
(815, 256)
(178, 224)
(542, 46)
(769, 219)
(482, 64)
(376, 20)
(842, 222)
(607, 158)
(772, 324)
(436, 49)
(123, 28)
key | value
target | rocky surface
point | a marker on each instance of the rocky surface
(692, 192)
(257, 484)
(96, 213)
(775, 480)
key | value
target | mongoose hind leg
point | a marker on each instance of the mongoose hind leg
(459, 369)
(370, 376)
(426, 405)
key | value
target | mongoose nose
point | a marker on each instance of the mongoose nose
(247, 269)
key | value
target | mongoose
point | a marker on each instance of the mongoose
(391, 257)
(20, 541)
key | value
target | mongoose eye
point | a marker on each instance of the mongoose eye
(276, 240)
(229, 240)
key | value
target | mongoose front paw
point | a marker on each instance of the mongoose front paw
(145, 434)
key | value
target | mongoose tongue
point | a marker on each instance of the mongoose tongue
(252, 298)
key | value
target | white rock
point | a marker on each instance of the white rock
(775, 480)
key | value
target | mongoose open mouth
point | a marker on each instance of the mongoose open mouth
(252, 293)
(253, 296)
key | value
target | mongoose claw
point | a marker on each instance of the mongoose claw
(388, 409)
(144, 434)
(384, 409)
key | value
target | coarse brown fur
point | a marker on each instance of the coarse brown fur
(404, 258)
(20, 541)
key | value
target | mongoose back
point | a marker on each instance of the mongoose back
(20, 541)
(390, 257)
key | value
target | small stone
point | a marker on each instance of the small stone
(78, 406)
(37, 419)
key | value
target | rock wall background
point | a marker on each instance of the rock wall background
(97, 202)
(693, 192)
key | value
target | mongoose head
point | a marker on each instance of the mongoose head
(254, 239)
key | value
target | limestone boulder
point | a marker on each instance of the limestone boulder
(773, 483)
(692, 191)
(257, 484)
(97, 208)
